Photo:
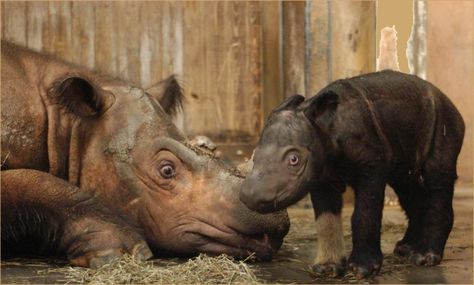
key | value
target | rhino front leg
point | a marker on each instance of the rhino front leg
(43, 210)
(369, 188)
(330, 253)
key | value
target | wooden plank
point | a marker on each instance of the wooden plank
(272, 94)
(47, 31)
(254, 80)
(221, 47)
(352, 38)
(449, 59)
(127, 41)
(150, 49)
(318, 61)
(195, 74)
(147, 43)
(294, 48)
(215, 46)
(120, 40)
(35, 12)
(161, 50)
(178, 38)
(242, 73)
(14, 22)
(222, 56)
(56, 31)
(83, 29)
(132, 32)
(105, 52)
(171, 38)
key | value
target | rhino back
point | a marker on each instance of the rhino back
(401, 109)
(23, 115)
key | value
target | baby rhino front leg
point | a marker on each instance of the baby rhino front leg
(330, 255)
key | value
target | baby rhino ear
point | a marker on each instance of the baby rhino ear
(290, 103)
(78, 96)
(322, 108)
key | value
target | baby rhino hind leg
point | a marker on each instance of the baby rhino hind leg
(438, 217)
(439, 175)
(412, 197)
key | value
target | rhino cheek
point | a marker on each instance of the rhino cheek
(164, 221)
(174, 219)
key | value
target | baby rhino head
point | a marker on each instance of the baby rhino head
(289, 156)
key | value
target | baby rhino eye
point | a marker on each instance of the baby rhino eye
(293, 159)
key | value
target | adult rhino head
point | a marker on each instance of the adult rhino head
(94, 167)
(185, 200)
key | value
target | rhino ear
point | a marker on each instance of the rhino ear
(169, 93)
(322, 108)
(290, 103)
(78, 96)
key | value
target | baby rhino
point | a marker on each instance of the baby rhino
(365, 131)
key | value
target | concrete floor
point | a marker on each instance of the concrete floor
(291, 263)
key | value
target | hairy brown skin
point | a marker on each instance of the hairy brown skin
(93, 168)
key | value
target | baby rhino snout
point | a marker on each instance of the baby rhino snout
(254, 196)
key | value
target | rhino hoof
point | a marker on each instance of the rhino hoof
(427, 259)
(142, 252)
(330, 269)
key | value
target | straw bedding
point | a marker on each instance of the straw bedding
(199, 270)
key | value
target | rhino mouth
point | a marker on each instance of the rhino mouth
(215, 241)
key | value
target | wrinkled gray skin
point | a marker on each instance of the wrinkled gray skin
(93, 168)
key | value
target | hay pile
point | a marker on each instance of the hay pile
(199, 270)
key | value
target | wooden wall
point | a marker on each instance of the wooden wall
(450, 65)
(214, 48)
(326, 40)
(236, 60)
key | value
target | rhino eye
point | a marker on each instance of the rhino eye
(293, 159)
(167, 171)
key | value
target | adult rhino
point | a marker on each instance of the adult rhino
(93, 168)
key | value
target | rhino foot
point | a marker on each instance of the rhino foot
(92, 243)
(429, 258)
(330, 269)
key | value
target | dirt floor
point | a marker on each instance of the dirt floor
(291, 263)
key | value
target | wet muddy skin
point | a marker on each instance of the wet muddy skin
(291, 263)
